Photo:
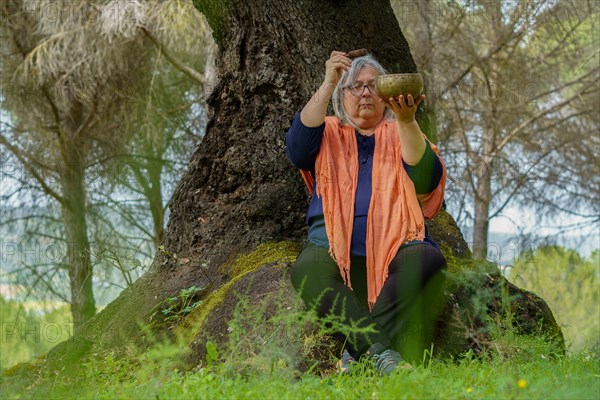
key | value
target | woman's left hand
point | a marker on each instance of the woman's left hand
(404, 108)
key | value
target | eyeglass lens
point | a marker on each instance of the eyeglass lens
(358, 88)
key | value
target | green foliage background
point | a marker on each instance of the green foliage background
(28, 332)
(570, 286)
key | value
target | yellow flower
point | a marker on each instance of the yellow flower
(469, 390)
(522, 383)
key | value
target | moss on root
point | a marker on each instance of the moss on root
(266, 253)
(216, 14)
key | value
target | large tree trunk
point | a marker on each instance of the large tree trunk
(241, 190)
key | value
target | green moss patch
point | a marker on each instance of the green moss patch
(264, 254)
(267, 253)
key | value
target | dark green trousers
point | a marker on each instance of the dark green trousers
(405, 312)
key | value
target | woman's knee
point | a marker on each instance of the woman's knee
(299, 275)
(419, 256)
(435, 258)
(313, 266)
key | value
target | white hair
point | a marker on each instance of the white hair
(348, 77)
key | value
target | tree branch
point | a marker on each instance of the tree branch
(180, 65)
(511, 135)
(24, 161)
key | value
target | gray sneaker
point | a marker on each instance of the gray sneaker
(386, 360)
(345, 363)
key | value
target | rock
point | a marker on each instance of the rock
(479, 302)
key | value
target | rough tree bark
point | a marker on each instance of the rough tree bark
(241, 189)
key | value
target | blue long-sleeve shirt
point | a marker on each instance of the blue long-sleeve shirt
(302, 146)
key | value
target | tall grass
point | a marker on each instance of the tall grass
(288, 355)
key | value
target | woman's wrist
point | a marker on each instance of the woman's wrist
(326, 89)
(412, 141)
(409, 126)
(313, 113)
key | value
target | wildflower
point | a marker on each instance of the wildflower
(469, 390)
(522, 383)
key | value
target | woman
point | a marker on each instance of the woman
(373, 177)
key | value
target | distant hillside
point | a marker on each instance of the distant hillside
(504, 248)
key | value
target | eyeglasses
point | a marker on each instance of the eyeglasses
(357, 88)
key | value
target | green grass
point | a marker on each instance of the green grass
(154, 375)
(568, 378)
(264, 355)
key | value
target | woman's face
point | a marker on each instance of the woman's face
(363, 106)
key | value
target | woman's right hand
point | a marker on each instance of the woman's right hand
(313, 113)
(337, 63)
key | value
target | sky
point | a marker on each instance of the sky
(514, 222)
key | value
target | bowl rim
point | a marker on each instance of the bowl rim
(400, 74)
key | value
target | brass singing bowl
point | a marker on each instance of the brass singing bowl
(393, 85)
